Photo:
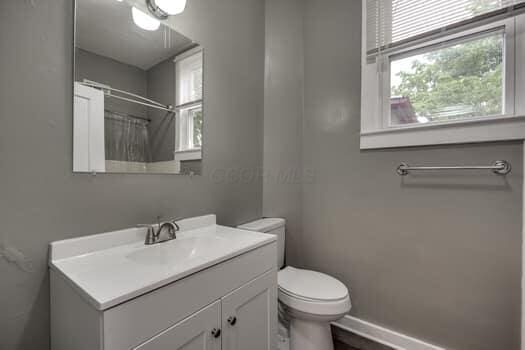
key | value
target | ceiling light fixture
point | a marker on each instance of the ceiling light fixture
(171, 7)
(164, 8)
(143, 20)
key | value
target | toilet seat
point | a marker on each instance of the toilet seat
(312, 292)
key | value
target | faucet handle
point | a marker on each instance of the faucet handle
(174, 222)
(151, 236)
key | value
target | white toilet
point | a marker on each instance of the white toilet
(308, 300)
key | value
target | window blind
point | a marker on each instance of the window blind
(393, 23)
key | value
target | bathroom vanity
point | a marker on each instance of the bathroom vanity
(214, 287)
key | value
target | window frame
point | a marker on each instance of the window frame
(376, 130)
(184, 132)
(506, 27)
(190, 127)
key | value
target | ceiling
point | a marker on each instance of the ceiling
(105, 27)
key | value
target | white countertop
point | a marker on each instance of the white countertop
(111, 268)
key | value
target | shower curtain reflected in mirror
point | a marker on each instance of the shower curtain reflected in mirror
(126, 138)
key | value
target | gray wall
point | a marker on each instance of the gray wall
(89, 65)
(437, 257)
(191, 167)
(283, 111)
(41, 200)
(161, 129)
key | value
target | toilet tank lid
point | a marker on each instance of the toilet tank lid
(263, 225)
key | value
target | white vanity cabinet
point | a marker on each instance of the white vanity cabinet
(240, 320)
(115, 299)
(197, 332)
(248, 315)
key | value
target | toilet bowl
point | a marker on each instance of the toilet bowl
(311, 300)
(308, 300)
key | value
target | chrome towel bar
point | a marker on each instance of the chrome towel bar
(499, 167)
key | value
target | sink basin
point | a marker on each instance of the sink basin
(178, 250)
(114, 267)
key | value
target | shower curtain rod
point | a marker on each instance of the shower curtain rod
(125, 115)
(108, 89)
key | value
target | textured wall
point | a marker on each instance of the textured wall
(435, 256)
(283, 111)
(161, 87)
(41, 200)
(116, 74)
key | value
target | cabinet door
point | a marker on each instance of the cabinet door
(249, 315)
(200, 331)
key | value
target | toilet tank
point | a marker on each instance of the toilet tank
(274, 226)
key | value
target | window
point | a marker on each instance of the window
(454, 81)
(441, 71)
(195, 116)
(188, 70)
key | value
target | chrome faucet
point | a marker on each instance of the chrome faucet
(155, 236)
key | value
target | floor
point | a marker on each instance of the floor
(343, 340)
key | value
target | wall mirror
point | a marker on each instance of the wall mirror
(138, 93)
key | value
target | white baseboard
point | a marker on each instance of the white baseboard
(383, 335)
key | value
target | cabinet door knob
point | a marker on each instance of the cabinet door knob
(232, 320)
(216, 332)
